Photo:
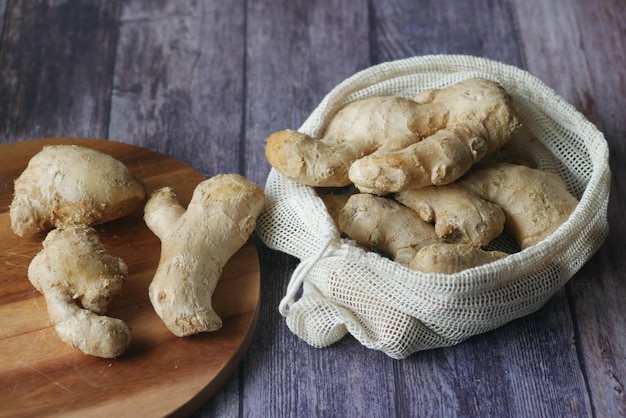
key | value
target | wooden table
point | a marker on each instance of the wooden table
(206, 82)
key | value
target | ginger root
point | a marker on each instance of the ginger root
(459, 215)
(66, 185)
(358, 129)
(452, 258)
(383, 224)
(78, 280)
(196, 243)
(388, 144)
(535, 202)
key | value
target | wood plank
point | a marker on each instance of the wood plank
(55, 68)
(404, 28)
(178, 85)
(3, 7)
(580, 51)
(525, 368)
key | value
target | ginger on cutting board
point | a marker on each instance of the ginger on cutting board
(388, 144)
(78, 280)
(196, 244)
(66, 185)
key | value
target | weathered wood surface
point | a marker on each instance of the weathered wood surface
(207, 81)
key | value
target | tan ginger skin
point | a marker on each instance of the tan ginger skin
(452, 258)
(384, 224)
(67, 185)
(459, 216)
(78, 280)
(398, 232)
(196, 244)
(535, 202)
(388, 144)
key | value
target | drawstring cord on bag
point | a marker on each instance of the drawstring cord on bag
(299, 274)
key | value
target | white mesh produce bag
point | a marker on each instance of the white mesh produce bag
(338, 288)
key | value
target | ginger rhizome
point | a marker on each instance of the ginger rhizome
(535, 202)
(398, 232)
(451, 258)
(388, 144)
(383, 224)
(459, 215)
(196, 244)
(66, 185)
(78, 280)
(445, 228)
(418, 177)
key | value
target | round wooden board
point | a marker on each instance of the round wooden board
(159, 374)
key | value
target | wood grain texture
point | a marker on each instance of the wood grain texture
(3, 7)
(207, 81)
(179, 81)
(297, 51)
(405, 28)
(55, 68)
(159, 373)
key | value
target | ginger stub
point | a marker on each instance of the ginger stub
(196, 244)
(66, 185)
(78, 280)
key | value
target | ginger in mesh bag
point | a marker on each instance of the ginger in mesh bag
(527, 251)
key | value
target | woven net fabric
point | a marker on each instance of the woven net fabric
(339, 288)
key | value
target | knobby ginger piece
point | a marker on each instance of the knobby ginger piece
(196, 244)
(67, 185)
(459, 216)
(358, 129)
(459, 124)
(78, 280)
(386, 225)
(387, 144)
(535, 202)
(452, 258)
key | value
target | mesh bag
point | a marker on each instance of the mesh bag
(338, 288)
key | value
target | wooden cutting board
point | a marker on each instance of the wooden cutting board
(159, 374)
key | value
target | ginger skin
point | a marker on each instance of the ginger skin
(78, 280)
(358, 129)
(459, 215)
(388, 144)
(66, 185)
(383, 224)
(535, 202)
(196, 244)
(460, 125)
(451, 258)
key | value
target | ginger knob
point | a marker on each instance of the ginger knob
(196, 244)
(78, 280)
